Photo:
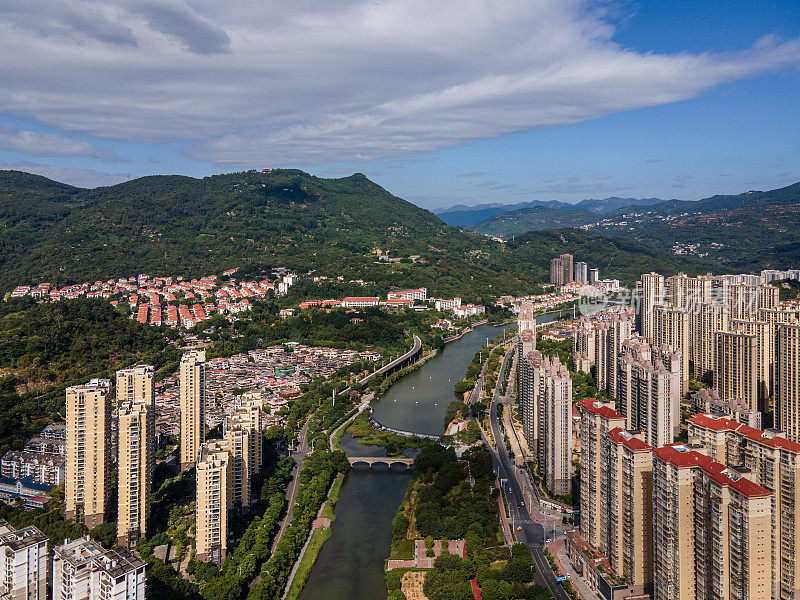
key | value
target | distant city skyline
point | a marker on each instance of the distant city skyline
(441, 103)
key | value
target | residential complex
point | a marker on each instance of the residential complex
(545, 393)
(715, 517)
(24, 564)
(84, 570)
(88, 452)
(561, 270)
(192, 406)
(215, 497)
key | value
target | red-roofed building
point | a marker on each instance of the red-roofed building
(773, 462)
(712, 529)
(597, 419)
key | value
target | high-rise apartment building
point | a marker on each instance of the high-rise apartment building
(766, 346)
(192, 405)
(239, 439)
(648, 391)
(628, 500)
(584, 345)
(597, 419)
(136, 451)
(711, 529)
(135, 470)
(581, 272)
(651, 294)
(706, 319)
(136, 384)
(594, 276)
(745, 301)
(773, 462)
(676, 290)
(545, 401)
(788, 383)
(526, 329)
(561, 270)
(84, 570)
(215, 497)
(736, 363)
(556, 422)
(88, 452)
(249, 415)
(23, 568)
(671, 328)
(529, 391)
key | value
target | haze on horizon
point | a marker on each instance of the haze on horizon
(441, 102)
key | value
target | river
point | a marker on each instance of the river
(350, 564)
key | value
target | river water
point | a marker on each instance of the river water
(350, 564)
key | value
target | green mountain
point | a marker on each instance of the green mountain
(537, 218)
(745, 232)
(618, 258)
(175, 225)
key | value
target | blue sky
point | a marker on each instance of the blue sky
(440, 102)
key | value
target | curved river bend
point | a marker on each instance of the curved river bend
(350, 564)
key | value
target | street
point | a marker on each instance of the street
(527, 530)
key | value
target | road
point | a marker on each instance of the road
(414, 349)
(527, 530)
(298, 455)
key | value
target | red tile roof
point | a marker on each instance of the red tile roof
(597, 408)
(633, 443)
(722, 424)
(681, 457)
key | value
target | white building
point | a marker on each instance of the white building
(23, 568)
(84, 570)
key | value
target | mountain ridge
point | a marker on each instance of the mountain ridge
(178, 225)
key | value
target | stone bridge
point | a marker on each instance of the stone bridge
(372, 460)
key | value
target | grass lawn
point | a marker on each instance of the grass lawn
(318, 537)
(333, 498)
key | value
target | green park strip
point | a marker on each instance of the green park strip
(318, 538)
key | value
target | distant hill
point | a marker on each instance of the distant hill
(466, 216)
(175, 225)
(508, 224)
(743, 232)
(619, 258)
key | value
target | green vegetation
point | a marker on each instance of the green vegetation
(50, 519)
(319, 470)
(621, 258)
(45, 347)
(789, 289)
(318, 538)
(190, 227)
(443, 504)
(393, 442)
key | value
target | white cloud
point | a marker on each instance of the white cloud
(304, 81)
(45, 144)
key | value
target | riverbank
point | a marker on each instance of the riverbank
(313, 545)
(350, 563)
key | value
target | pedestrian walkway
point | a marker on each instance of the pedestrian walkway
(421, 559)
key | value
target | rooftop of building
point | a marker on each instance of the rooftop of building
(629, 440)
(683, 456)
(22, 538)
(598, 407)
(769, 437)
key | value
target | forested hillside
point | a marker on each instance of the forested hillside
(174, 225)
(45, 347)
(744, 232)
